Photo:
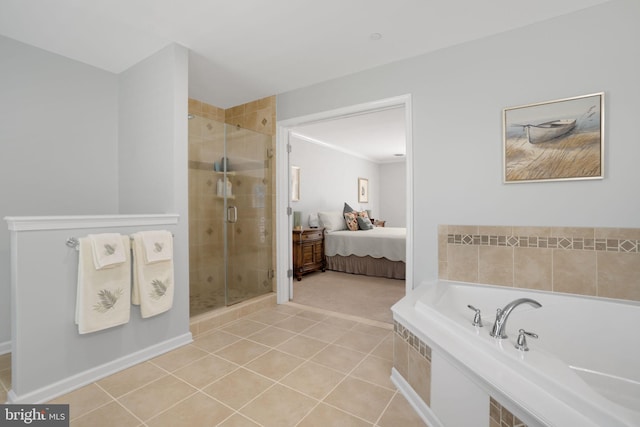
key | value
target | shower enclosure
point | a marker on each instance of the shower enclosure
(230, 212)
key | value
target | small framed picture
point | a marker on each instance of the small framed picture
(295, 183)
(363, 190)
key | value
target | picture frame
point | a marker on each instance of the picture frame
(295, 183)
(363, 190)
(557, 140)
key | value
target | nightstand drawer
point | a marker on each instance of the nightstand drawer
(312, 235)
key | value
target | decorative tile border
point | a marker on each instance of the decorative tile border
(412, 340)
(568, 243)
(499, 415)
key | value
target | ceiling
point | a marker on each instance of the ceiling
(243, 50)
(378, 136)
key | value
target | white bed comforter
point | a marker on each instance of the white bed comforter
(379, 242)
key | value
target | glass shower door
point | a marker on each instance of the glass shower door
(230, 214)
(248, 208)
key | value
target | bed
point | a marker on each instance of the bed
(380, 251)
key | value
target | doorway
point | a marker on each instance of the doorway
(283, 181)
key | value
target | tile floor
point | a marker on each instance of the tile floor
(280, 366)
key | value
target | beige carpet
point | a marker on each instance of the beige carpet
(356, 295)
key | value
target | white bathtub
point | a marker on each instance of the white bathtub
(583, 370)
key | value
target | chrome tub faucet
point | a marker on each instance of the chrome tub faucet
(502, 315)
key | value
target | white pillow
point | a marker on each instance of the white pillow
(332, 221)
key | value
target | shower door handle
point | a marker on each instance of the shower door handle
(232, 214)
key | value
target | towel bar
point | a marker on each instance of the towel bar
(74, 243)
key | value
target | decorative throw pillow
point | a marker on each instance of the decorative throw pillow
(347, 209)
(351, 219)
(364, 223)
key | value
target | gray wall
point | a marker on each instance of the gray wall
(329, 178)
(393, 194)
(152, 155)
(58, 143)
(146, 133)
(49, 356)
(458, 95)
(77, 140)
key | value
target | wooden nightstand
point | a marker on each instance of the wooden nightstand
(308, 251)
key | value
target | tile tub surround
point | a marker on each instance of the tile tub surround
(5, 376)
(603, 262)
(412, 360)
(285, 365)
(499, 416)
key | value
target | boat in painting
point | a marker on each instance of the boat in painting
(549, 130)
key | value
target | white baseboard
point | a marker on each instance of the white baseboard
(69, 384)
(416, 402)
(5, 347)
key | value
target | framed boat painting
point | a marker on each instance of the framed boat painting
(554, 140)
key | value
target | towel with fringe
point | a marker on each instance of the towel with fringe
(152, 280)
(107, 249)
(103, 296)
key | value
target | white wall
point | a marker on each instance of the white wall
(58, 149)
(329, 178)
(458, 95)
(393, 196)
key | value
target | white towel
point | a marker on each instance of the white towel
(158, 245)
(103, 297)
(152, 283)
(107, 250)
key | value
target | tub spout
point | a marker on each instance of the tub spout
(502, 315)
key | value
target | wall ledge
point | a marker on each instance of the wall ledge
(32, 223)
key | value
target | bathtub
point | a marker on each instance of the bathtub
(583, 370)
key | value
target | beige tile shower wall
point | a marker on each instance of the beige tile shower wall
(260, 116)
(206, 266)
(602, 262)
(208, 111)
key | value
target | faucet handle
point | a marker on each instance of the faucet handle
(477, 319)
(521, 344)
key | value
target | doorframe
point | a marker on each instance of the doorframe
(284, 261)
